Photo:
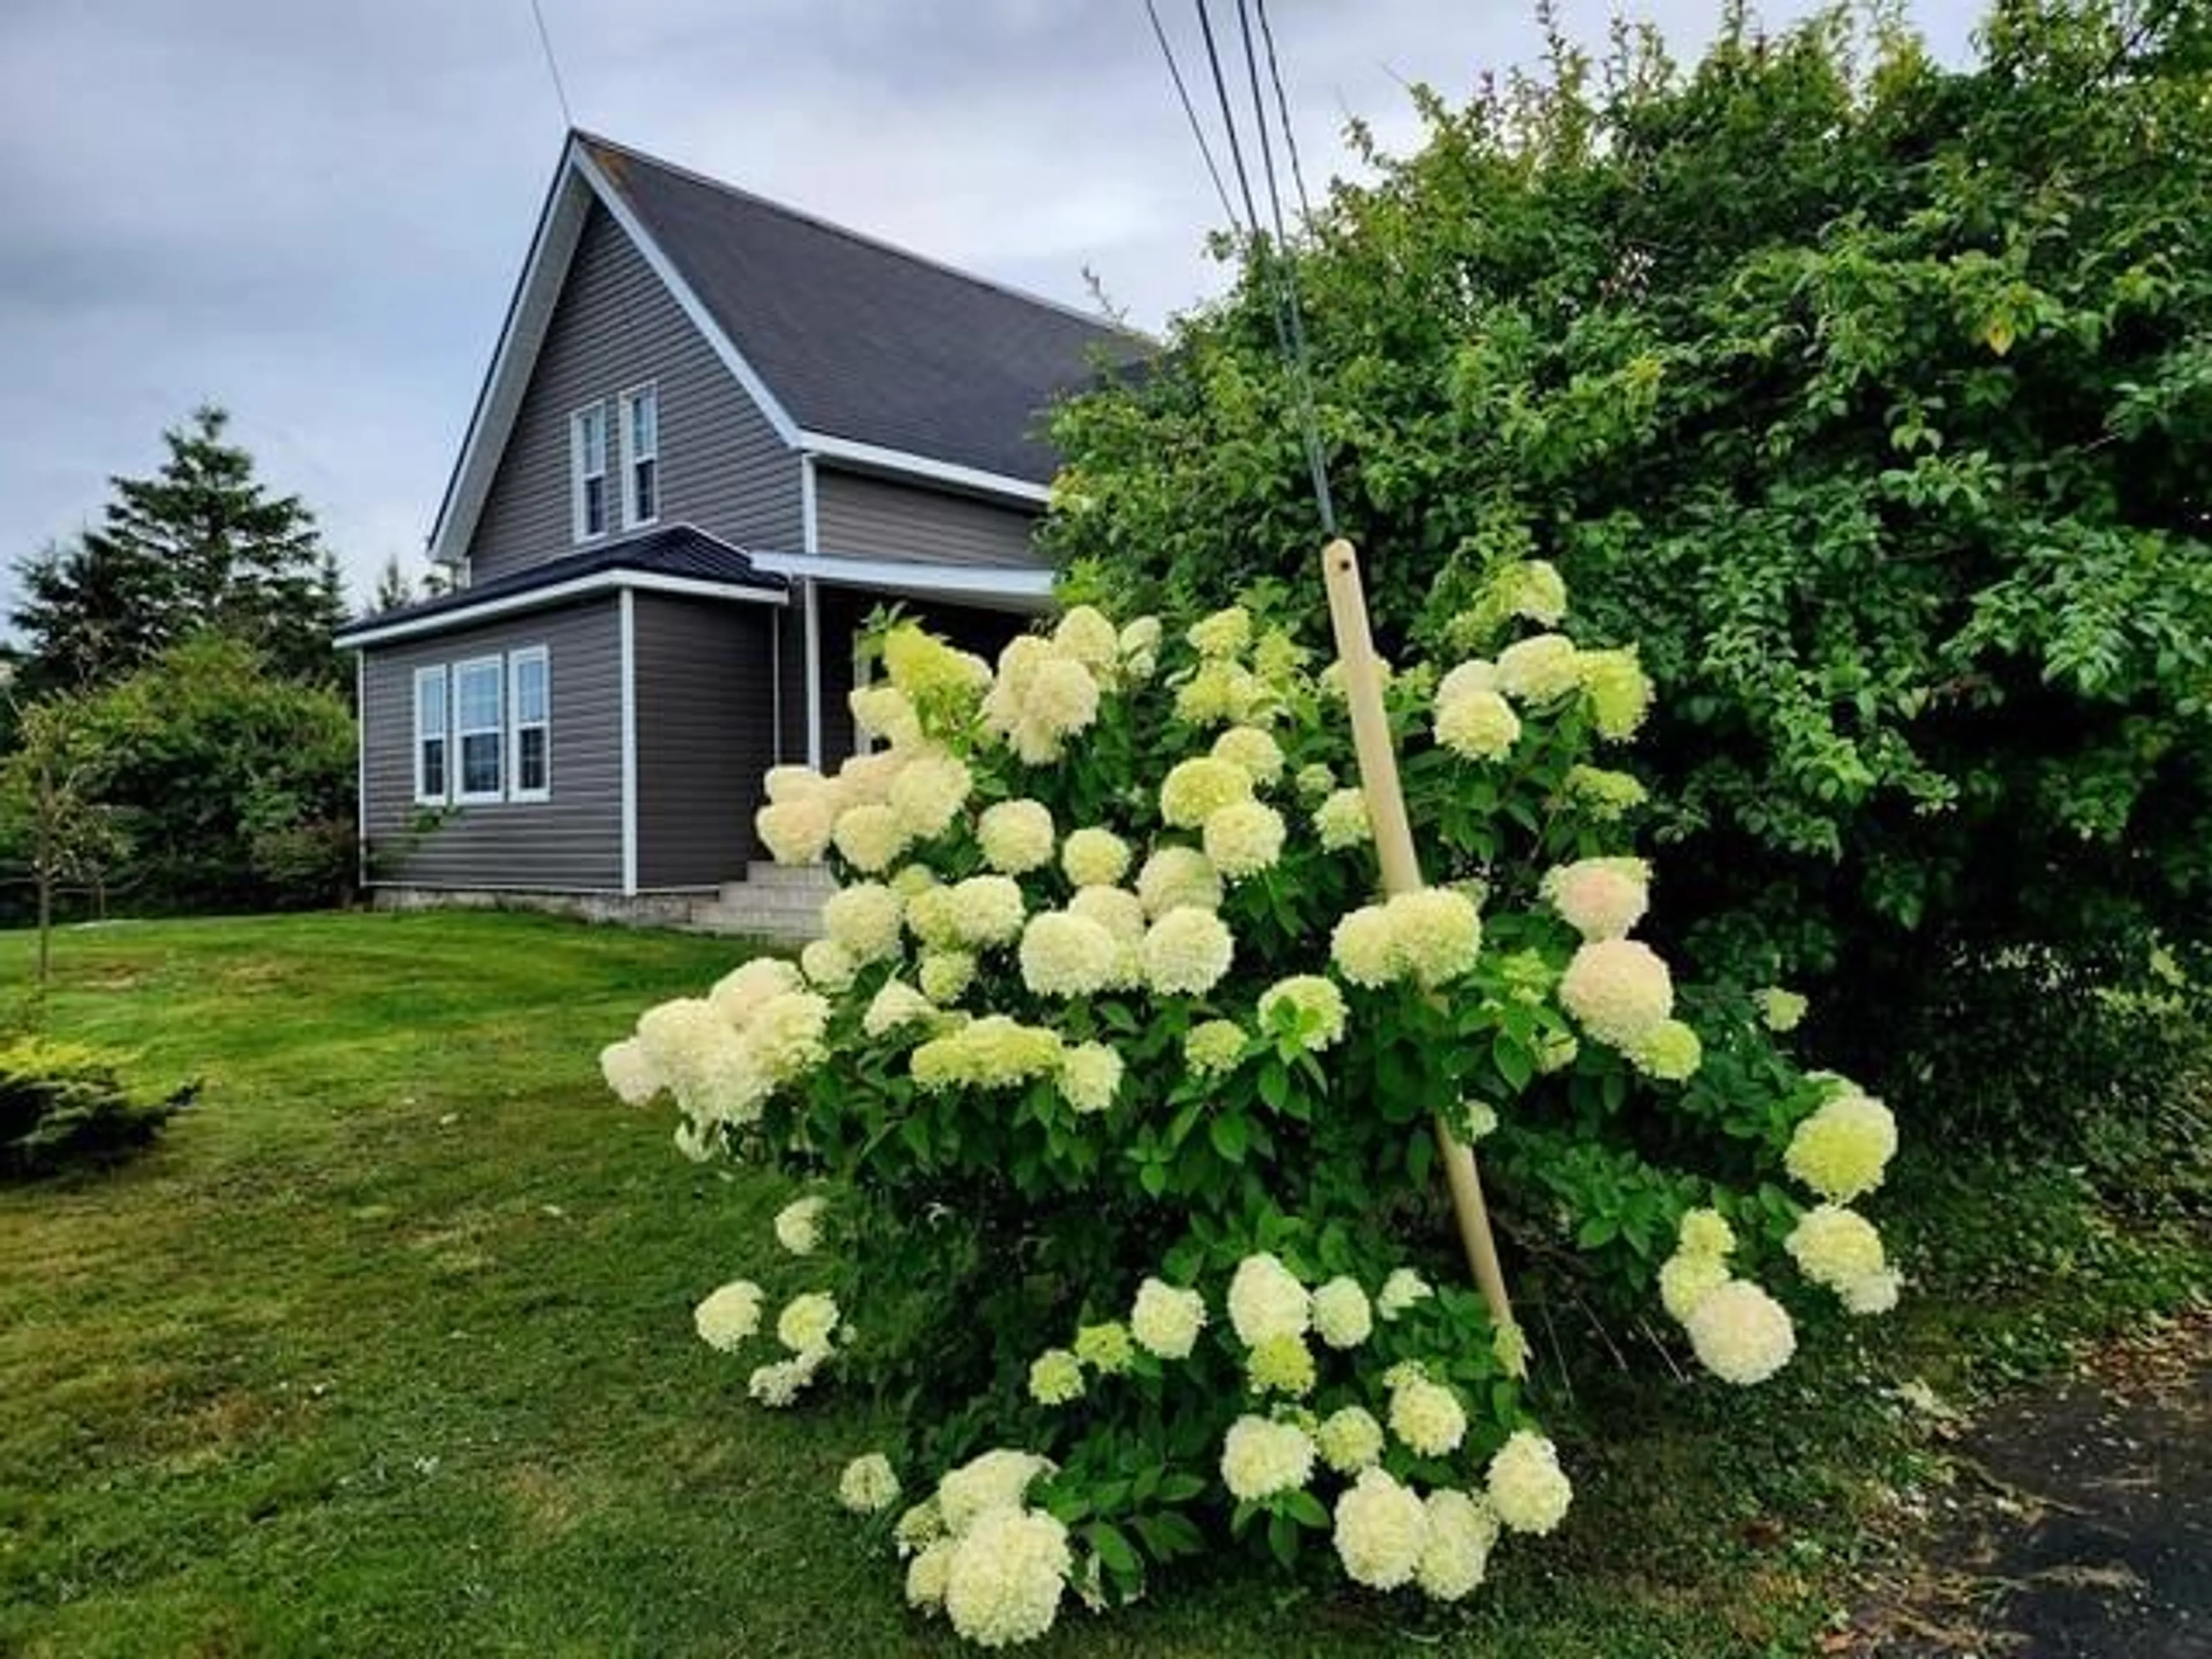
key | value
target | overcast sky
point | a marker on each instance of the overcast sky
(313, 211)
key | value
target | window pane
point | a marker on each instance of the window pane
(434, 766)
(530, 758)
(645, 423)
(480, 763)
(642, 488)
(480, 698)
(529, 689)
(592, 425)
(430, 705)
(595, 506)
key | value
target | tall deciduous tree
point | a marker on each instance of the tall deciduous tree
(1873, 396)
(201, 546)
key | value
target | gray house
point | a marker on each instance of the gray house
(715, 435)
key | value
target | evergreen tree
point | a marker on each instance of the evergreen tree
(203, 546)
(393, 591)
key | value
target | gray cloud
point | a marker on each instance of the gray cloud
(314, 212)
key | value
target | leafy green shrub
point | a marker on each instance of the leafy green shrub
(1871, 397)
(64, 1105)
(234, 784)
(1114, 1083)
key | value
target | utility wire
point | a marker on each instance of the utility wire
(1283, 105)
(1271, 264)
(552, 64)
(1286, 276)
(1190, 112)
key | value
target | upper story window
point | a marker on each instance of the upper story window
(430, 739)
(640, 449)
(530, 694)
(587, 471)
(480, 726)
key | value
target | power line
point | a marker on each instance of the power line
(552, 64)
(1287, 278)
(1190, 113)
(1283, 105)
(1290, 337)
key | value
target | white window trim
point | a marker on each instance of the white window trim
(457, 774)
(577, 476)
(512, 772)
(424, 676)
(630, 458)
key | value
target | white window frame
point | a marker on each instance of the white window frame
(462, 732)
(516, 726)
(426, 677)
(580, 475)
(626, 409)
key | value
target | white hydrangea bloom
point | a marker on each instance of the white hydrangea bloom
(1252, 748)
(1618, 990)
(629, 1071)
(798, 1225)
(1540, 668)
(987, 910)
(1350, 1440)
(1842, 1150)
(739, 994)
(806, 1321)
(867, 919)
(1167, 1319)
(1245, 838)
(1066, 955)
(1399, 1292)
(828, 966)
(1341, 820)
(894, 1005)
(994, 1480)
(1260, 1458)
(1741, 1334)
(1427, 1417)
(730, 1315)
(1266, 1300)
(869, 1485)
(1093, 857)
(1174, 878)
(927, 795)
(1090, 1076)
(1529, 1490)
(1461, 1531)
(1342, 1316)
(1600, 898)
(1382, 1527)
(1007, 1575)
(1187, 951)
(871, 837)
(1015, 836)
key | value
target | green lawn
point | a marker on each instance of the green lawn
(386, 1349)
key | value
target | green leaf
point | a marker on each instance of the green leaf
(1230, 1134)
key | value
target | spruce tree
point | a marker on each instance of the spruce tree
(202, 546)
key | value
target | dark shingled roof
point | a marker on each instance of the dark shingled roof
(675, 551)
(861, 341)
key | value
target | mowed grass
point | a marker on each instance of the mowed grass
(386, 1349)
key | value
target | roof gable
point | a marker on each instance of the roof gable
(851, 349)
(865, 342)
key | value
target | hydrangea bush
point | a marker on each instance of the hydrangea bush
(1110, 1090)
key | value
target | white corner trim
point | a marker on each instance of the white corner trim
(810, 508)
(535, 599)
(680, 291)
(1026, 585)
(921, 466)
(628, 633)
(813, 675)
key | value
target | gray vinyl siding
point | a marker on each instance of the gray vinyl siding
(722, 467)
(705, 733)
(874, 517)
(572, 842)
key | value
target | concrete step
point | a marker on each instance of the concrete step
(754, 921)
(762, 876)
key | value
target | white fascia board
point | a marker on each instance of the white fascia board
(544, 272)
(537, 599)
(809, 507)
(878, 458)
(686, 302)
(1030, 586)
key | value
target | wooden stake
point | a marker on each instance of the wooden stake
(1401, 873)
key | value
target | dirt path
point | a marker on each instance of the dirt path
(2082, 1522)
